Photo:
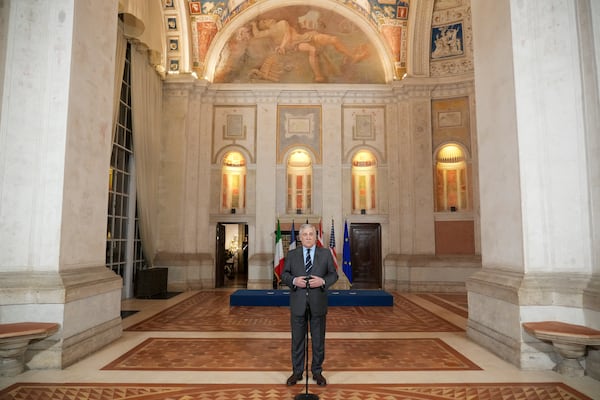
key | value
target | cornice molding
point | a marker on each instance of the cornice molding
(411, 87)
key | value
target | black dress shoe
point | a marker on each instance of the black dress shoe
(320, 379)
(293, 379)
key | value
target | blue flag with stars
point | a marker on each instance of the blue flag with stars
(347, 263)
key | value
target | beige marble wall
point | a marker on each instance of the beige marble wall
(402, 140)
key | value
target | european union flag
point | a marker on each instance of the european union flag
(346, 257)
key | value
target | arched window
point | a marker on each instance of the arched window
(233, 190)
(451, 179)
(299, 182)
(364, 181)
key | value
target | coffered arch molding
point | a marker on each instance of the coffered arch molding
(256, 10)
(419, 41)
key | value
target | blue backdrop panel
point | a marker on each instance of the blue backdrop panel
(277, 298)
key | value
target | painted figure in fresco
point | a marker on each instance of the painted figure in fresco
(233, 54)
(270, 70)
(310, 42)
(310, 20)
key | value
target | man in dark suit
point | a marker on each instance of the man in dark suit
(309, 270)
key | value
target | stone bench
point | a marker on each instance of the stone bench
(14, 340)
(568, 340)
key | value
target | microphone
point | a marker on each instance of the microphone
(307, 279)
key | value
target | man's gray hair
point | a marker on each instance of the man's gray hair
(307, 226)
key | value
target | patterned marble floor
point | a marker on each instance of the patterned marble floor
(195, 346)
(249, 354)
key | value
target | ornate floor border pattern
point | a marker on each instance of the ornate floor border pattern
(210, 312)
(250, 354)
(106, 391)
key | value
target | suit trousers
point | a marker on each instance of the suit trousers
(317, 337)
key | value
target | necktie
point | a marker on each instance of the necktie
(308, 261)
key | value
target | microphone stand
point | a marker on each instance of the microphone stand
(306, 395)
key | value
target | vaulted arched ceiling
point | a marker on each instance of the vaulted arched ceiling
(429, 39)
(200, 34)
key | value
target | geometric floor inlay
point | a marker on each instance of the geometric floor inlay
(105, 391)
(249, 354)
(209, 311)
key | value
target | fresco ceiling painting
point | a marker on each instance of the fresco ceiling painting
(298, 43)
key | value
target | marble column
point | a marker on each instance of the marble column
(187, 239)
(56, 134)
(539, 218)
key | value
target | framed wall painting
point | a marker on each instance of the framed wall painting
(233, 122)
(447, 41)
(402, 12)
(234, 125)
(195, 7)
(234, 128)
(364, 125)
(299, 125)
(449, 119)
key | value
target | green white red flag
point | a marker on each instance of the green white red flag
(279, 260)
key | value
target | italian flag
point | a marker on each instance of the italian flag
(279, 259)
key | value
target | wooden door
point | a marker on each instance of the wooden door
(365, 246)
(220, 257)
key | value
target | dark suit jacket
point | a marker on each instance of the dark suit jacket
(323, 266)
